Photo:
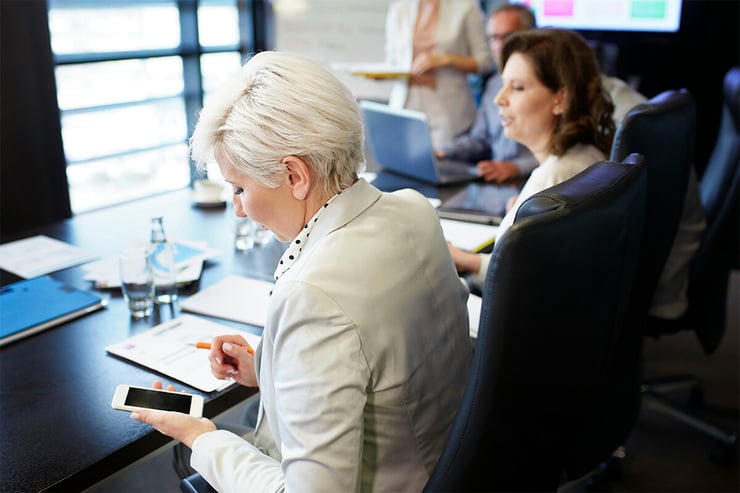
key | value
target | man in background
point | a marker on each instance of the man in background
(497, 157)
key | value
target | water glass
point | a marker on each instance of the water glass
(248, 234)
(137, 279)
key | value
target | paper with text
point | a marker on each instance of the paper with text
(169, 348)
(39, 255)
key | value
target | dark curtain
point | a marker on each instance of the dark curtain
(33, 180)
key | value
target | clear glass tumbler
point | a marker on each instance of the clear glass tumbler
(137, 280)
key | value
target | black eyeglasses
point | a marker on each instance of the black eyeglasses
(498, 37)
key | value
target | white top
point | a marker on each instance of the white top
(450, 107)
(363, 360)
(552, 171)
(671, 294)
(623, 96)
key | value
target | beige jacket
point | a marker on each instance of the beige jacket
(363, 359)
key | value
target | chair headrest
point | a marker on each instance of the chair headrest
(645, 127)
(577, 192)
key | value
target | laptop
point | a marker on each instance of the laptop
(401, 143)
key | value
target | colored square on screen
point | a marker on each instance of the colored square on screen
(649, 9)
(605, 9)
(561, 8)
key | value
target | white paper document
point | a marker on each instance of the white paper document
(475, 303)
(189, 257)
(236, 298)
(39, 255)
(468, 236)
(169, 348)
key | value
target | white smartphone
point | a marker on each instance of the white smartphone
(131, 398)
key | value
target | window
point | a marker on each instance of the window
(131, 76)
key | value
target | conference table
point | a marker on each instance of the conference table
(58, 431)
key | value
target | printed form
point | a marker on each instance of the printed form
(169, 348)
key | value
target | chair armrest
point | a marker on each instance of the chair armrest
(195, 483)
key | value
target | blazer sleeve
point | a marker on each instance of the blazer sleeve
(475, 30)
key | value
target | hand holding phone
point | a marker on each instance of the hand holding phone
(131, 398)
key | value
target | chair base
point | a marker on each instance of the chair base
(602, 477)
(653, 394)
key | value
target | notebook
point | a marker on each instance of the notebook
(33, 305)
(401, 143)
(236, 298)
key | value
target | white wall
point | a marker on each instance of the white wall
(335, 31)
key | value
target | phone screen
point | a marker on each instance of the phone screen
(158, 400)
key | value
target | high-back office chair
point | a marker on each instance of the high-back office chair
(717, 255)
(720, 249)
(551, 334)
(663, 130)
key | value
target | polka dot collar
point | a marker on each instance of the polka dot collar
(296, 246)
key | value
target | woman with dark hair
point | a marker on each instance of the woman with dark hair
(553, 102)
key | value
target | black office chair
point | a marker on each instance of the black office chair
(720, 248)
(552, 340)
(662, 130)
(707, 295)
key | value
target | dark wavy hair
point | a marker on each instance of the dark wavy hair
(563, 59)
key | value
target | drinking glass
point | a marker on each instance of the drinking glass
(249, 234)
(137, 279)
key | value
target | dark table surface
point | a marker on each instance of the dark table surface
(58, 431)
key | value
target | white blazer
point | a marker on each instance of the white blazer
(363, 359)
(452, 108)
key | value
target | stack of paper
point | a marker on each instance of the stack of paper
(469, 236)
(236, 298)
(372, 69)
(189, 257)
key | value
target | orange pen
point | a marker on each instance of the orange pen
(207, 345)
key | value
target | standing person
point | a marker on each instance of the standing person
(365, 352)
(441, 41)
(497, 157)
(552, 101)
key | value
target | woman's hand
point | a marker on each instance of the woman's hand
(428, 61)
(179, 426)
(230, 357)
(464, 261)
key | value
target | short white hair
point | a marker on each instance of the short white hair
(277, 105)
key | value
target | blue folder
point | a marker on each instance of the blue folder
(33, 305)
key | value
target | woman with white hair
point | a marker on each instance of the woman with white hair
(365, 351)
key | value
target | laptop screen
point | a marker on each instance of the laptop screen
(400, 140)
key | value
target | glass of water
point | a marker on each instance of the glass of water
(249, 234)
(137, 279)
